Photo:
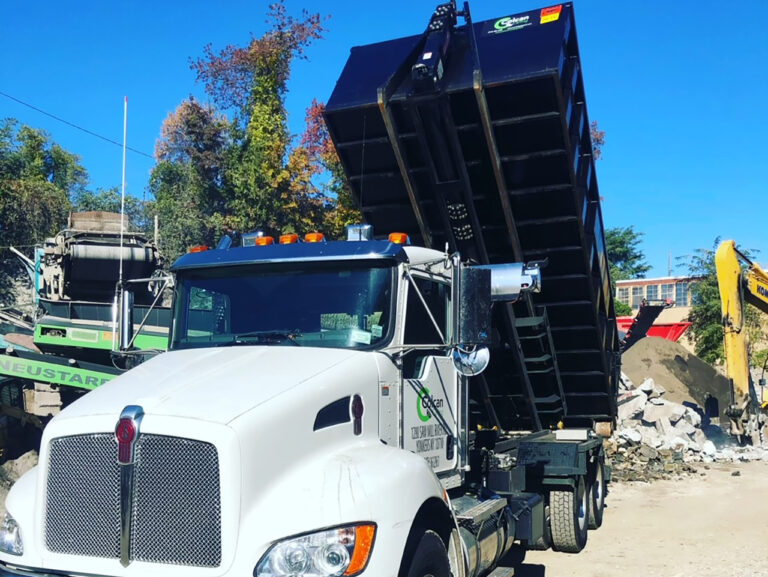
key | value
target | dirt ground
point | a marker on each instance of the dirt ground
(711, 525)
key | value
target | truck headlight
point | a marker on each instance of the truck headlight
(330, 553)
(10, 536)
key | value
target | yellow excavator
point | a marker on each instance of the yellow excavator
(742, 281)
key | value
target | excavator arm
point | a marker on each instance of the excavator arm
(739, 285)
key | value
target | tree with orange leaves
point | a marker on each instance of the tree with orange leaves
(215, 174)
(271, 182)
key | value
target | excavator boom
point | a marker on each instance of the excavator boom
(739, 285)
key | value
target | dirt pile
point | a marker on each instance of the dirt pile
(686, 378)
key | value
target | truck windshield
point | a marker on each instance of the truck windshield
(329, 304)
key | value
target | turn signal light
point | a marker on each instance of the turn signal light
(398, 238)
(264, 240)
(289, 238)
(314, 237)
(198, 248)
(364, 535)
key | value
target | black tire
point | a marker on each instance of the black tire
(429, 558)
(569, 517)
(597, 492)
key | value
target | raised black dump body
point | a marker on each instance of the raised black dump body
(494, 159)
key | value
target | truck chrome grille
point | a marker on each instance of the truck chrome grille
(176, 514)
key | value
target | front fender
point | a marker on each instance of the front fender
(365, 482)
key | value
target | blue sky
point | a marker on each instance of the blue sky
(679, 88)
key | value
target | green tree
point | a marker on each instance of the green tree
(626, 260)
(37, 178)
(109, 200)
(706, 314)
(190, 182)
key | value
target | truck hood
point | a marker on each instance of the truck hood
(216, 385)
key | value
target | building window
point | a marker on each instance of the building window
(681, 294)
(667, 292)
(637, 296)
(624, 295)
(652, 292)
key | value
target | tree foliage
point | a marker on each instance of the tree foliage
(324, 157)
(109, 200)
(190, 182)
(598, 139)
(37, 177)
(626, 260)
(706, 314)
(215, 174)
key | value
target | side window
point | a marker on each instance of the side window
(419, 328)
(208, 313)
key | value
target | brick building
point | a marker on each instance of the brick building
(673, 288)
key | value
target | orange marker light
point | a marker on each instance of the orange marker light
(198, 248)
(364, 535)
(398, 238)
(314, 237)
(264, 240)
(289, 238)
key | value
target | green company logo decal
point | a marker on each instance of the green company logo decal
(511, 23)
(422, 403)
(73, 377)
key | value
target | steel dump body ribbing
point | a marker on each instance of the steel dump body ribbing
(495, 161)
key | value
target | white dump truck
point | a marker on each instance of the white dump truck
(414, 400)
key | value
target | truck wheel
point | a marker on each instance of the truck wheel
(597, 497)
(569, 517)
(429, 558)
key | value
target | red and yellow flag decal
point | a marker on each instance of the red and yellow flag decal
(551, 14)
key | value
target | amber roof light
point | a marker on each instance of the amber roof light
(314, 237)
(398, 238)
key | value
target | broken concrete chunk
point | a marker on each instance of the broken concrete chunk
(647, 386)
(692, 417)
(630, 435)
(676, 412)
(626, 383)
(652, 412)
(699, 436)
(684, 427)
(708, 448)
(631, 406)
(664, 427)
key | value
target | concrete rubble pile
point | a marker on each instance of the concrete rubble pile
(659, 439)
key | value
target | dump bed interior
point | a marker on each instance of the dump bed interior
(494, 159)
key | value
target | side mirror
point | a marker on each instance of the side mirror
(470, 362)
(126, 318)
(473, 312)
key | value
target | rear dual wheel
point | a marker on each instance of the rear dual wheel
(569, 517)
(597, 496)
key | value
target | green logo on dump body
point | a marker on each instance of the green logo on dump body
(510, 22)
